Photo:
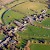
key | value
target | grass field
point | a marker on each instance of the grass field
(39, 47)
(33, 31)
(46, 22)
(14, 3)
(30, 7)
(1, 12)
(11, 15)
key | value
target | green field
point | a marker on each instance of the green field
(39, 47)
(1, 12)
(11, 15)
(48, 12)
(15, 3)
(46, 22)
(33, 31)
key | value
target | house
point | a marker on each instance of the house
(26, 19)
(21, 28)
(43, 11)
(0, 40)
(4, 41)
(12, 47)
(19, 24)
(4, 28)
(40, 17)
(34, 18)
(34, 15)
(14, 41)
(30, 20)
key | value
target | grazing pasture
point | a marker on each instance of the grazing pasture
(39, 47)
(30, 7)
(1, 12)
(10, 15)
(35, 32)
(46, 22)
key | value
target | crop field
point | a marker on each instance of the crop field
(30, 7)
(39, 47)
(9, 5)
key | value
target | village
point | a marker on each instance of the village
(20, 26)
(24, 24)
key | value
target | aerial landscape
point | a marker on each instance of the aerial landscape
(24, 24)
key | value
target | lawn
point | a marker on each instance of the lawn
(11, 15)
(39, 47)
(34, 32)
